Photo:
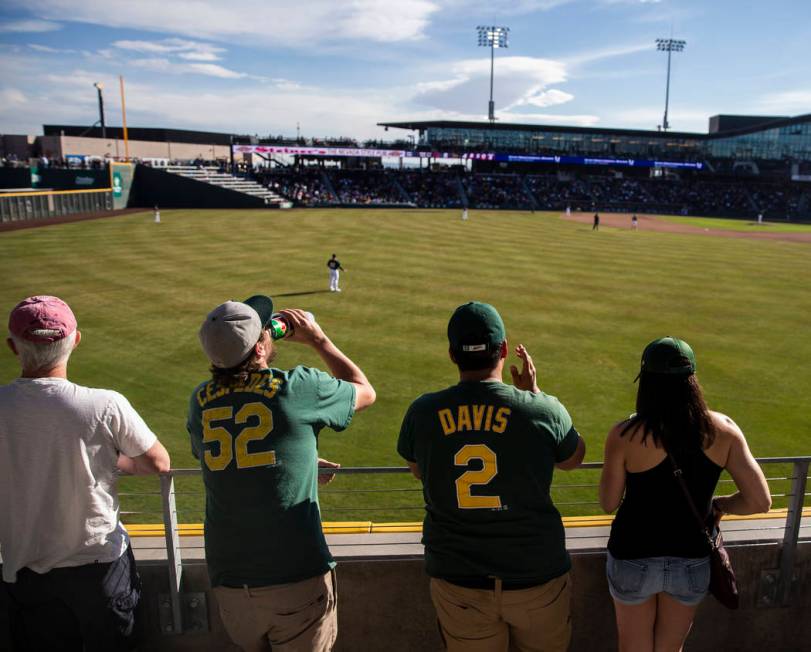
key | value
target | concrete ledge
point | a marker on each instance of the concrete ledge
(384, 604)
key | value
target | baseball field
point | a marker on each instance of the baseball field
(584, 303)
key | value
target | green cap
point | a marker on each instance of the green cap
(475, 327)
(668, 355)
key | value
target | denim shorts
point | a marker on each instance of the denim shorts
(632, 581)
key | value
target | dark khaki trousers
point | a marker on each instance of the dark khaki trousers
(484, 620)
(297, 617)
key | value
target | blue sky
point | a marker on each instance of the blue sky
(338, 67)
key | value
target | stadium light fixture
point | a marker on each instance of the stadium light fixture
(491, 36)
(99, 88)
(668, 45)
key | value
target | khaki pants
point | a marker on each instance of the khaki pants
(298, 617)
(526, 620)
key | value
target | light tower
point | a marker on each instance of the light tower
(491, 36)
(100, 87)
(668, 45)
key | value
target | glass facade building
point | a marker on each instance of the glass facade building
(764, 138)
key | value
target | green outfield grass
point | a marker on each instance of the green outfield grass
(748, 226)
(585, 304)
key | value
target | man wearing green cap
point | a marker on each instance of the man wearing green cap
(485, 452)
(255, 430)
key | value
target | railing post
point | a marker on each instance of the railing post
(792, 531)
(173, 558)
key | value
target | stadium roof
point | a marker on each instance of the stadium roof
(767, 123)
(158, 134)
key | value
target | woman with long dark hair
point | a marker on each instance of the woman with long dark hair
(658, 558)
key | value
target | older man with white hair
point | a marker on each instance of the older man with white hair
(68, 568)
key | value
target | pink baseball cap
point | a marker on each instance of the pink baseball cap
(41, 319)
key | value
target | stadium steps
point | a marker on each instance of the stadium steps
(214, 177)
(528, 192)
(401, 191)
(462, 194)
(328, 184)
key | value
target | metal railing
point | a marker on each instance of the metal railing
(789, 487)
(43, 204)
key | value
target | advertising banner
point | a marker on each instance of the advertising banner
(319, 151)
(475, 156)
(121, 182)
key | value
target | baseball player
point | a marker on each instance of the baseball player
(157, 215)
(464, 214)
(634, 222)
(255, 430)
(595, 226)
(485, 452)
(335, 270)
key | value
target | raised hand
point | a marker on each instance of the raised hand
(526, 378)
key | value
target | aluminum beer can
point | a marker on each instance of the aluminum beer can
(279, 327)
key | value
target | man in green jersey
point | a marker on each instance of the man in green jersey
(485, 452)
(255, 431)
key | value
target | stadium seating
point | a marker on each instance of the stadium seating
(215, 176)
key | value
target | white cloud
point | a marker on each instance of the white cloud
(161, 64)
(29, 26)
(548, 118)
(552, 97)
(289, 23)
(502, 7)
(517, 80)
(194, 50)
(600, 54)
(12, 96)
(630, 2)
(790, 102)
(199, 56)
(680, 118)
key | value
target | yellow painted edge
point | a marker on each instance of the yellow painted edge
(346, 527)
(391, 528)
(368, 527)
(53, 192)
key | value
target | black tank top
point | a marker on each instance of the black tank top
(655, 520)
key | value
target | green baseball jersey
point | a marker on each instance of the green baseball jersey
(257, 446)
(486, 452)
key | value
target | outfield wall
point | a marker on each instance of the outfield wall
(384, 604)
(154, 187)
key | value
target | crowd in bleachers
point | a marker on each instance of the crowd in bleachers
(450, 189)
(366, 187)
(497, 191)
(304, 187)
(428, 189)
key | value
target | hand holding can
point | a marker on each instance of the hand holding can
(298, 326)
(281, 327)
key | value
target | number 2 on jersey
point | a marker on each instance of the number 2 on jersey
(464, 498)
(245, 459)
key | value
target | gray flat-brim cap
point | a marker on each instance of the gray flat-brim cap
(229, 332)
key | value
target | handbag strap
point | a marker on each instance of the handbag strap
(677, 472)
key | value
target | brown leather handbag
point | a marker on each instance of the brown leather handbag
(723, 584)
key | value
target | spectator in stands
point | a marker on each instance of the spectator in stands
(485, 452)
(658, 565)
(68, 568)
(268, 561)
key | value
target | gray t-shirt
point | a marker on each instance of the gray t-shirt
(59, 444)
